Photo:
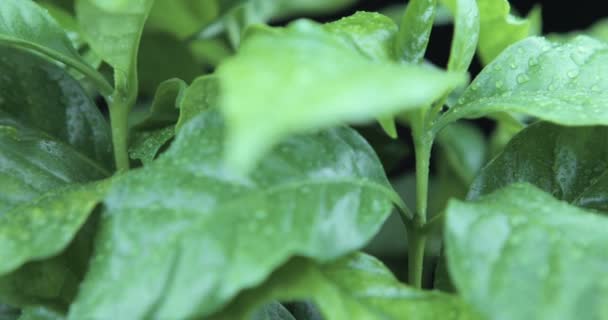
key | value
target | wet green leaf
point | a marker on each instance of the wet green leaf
(369, 33)
(113, 29)
(147, 144)
(339, 85)
(214, 233)
(519, 253)
(570, 163)
(415, 30)
(356, 287)
(559, 82)
(25, 25)
(52, 138)
(51, 133)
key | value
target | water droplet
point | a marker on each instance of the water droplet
(522, 78)
(532, 62)
(572, 73)
(499, 84)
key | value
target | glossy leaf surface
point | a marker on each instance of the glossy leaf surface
(339, 85)
(559, 82)
(415, 30)
(193, 247)
(570, 163)
(26, 25)
(356, 287)
(466, 33)
(519, 253)
(113, 29)
(51, 136)
(369, 33)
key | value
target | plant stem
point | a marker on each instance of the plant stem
(119, 111)
(423, 141)
(422, 147)
(416, 240)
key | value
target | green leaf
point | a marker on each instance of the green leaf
(51, 133)
(161, 57)
(465, 149)
(201, 95)
(356, 287)
(558, 82)
(415, 30)
(498, 28)
(369, 33)
(25, 25)
(164, 109)
(66, 21)
(52, 138)
(272, 311)
(570, 163)
(466, 33)
(45, 226)
(113, 29)
(40, 313)
(373, 35)
(147, 144)
(181, 18)
(52, 282)
(339, 85)
(519, 253)
(215, 233)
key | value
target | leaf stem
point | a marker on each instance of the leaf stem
(119, 112)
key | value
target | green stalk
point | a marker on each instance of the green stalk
(119, 112)
(423, 141)
(416, 241)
